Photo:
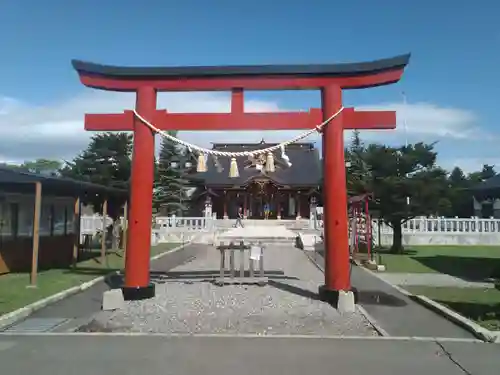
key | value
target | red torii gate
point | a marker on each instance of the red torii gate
(331, 79)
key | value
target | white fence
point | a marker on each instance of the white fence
(164, 229)
(437, 231)
(176, 224)
(91, 224)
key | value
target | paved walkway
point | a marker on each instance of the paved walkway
(432, 279)
(90, 355)
(188, 302)
(395, 312)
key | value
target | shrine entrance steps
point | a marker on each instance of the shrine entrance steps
(300, 224)
(264, 234)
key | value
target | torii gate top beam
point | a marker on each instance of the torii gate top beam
(254, 77)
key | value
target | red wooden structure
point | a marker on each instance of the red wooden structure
(331, 79)
(361, 222)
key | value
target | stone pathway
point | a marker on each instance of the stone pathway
(431, 279)
(187, 302)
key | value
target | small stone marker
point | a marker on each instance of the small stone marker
(112, 300)
(346, 303)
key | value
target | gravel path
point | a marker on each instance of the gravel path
(288, 305)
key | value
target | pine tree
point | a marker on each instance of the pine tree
(358, 173)
(170, 186)
(106, 161)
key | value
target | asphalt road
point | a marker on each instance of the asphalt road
(396, 313)
(82, 355)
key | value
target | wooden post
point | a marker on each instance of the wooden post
(278, 205)
(225, 205)
(103, 237)
(36, 233)
(245, 208)
(124, 229)
(76, 231)
(298, 198)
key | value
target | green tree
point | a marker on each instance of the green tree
(486, 173)
(42, 166)
(106, 161)
(459, 194)
(358, 172)
(170, 185)
(406, 183)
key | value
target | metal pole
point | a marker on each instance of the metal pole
(405, 125)
(405, 128)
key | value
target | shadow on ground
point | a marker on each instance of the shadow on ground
(294, 290)
(378, 297)
(466, 268)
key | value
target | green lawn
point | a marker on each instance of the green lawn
(471, 262)
(14, 292)
(479, 305)
(474, 263)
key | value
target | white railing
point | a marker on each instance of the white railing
(182, 224)
(444, 225)
(433, 225)
(436, 231)
(91, 224)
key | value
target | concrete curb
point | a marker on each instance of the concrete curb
(23, 312)
(474, 328)
(478, 331)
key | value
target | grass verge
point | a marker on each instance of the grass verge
(15, 293)
(475, 263)
(479, 305)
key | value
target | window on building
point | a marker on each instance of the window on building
(26, 216)
(59, 219)
(46, 219)
(70, 219)
(14, 219)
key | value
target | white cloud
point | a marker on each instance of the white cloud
(55, 130)
(427, 122)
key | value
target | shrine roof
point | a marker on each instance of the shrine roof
(305, 170)
(298, 70)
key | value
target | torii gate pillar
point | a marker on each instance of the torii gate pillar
(331, 79)
(335, 223)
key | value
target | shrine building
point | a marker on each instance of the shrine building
(288, 191)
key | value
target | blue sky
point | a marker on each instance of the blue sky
(452, 82)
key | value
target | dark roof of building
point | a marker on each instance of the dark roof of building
(489, 188)
(323, 70)
(305, 170)
(19, 181)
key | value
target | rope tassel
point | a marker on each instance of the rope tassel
(270, 162)
(202, 163)
(285, 157)
(233, 169)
